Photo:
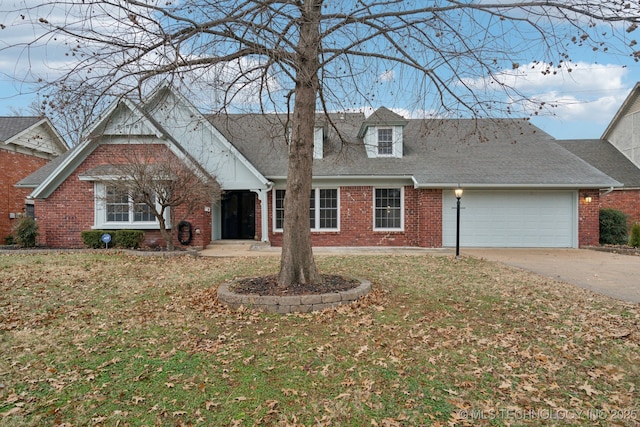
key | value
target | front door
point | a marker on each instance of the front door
(238, 215)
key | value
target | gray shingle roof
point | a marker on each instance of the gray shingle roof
(38, 177)
(11, 126)
(487, 152)
(604, 156)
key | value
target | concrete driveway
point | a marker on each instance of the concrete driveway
(614, 275)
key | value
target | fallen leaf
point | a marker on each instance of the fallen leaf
(588, 389)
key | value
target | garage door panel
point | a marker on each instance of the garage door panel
(511, 219)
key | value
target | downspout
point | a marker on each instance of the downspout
(607, 192)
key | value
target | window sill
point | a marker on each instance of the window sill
(130, 226)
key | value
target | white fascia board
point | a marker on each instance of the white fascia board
(464, 185)
(351, 180)
(24, 131)
(102, 117)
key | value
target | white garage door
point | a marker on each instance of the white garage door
(543, 219)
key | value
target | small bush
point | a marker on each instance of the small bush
(92, 238)
(9, 240)
(129, 239)
(613, 227)
(634, 240)
(26, 232)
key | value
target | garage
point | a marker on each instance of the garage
(492, 218)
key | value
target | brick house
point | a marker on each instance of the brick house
(26, 144)
(377, 180)
(617, 154)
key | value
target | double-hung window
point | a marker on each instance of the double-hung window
(122, 208)
(323, 209)
(115, 208)
(388, 209)
(385, 141)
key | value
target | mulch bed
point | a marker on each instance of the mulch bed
(268, 286)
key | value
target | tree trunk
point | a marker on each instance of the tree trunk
(166, 235)
(297, 265)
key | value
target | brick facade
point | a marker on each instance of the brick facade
(588, 218)
(422, 221)
(70, 209)
(627, 201)
(15, 166)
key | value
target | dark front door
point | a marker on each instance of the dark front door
(238, 215)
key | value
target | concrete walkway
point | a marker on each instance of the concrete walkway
(614, 275)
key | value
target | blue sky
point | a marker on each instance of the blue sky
(585, 99)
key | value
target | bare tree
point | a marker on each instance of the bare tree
(301, 55)
(156, 184)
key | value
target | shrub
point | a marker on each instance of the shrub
(92, 238)
(634, 240)
(9, 240)
(130, 239)
(26, 232)
(613, 227)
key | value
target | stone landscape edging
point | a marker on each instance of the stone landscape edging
(291, 303)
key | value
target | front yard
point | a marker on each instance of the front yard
(108, 339)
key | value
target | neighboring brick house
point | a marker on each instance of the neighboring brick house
(607, 158)
(26, 144)
(623, 133)
(377, 180)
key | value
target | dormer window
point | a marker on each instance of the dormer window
(382, 133)
(385, 141)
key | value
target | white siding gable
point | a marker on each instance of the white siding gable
(125, 122)
(204, 143)
(40, 140)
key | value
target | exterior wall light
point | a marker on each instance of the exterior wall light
(588, 199)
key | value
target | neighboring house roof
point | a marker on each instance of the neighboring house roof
(604, 156)
(12, 126)
(26, 132)
(437, 153)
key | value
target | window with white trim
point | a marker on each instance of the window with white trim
(116, 209)
(385, 141)
(122, 208)
(388, 209)
(323, 209)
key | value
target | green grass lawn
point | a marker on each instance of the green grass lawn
(108, 339)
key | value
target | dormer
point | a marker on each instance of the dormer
(382, 133)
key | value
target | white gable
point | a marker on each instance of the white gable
(625, 136)
(40, 139)
(203, 142)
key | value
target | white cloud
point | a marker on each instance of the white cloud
(569, 91)
(387, 76)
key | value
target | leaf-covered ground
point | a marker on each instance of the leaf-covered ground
(104, 339)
